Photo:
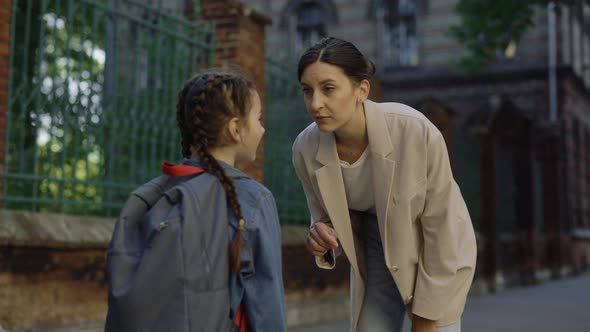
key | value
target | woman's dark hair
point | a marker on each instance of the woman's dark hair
(205, 105)
(339, 53)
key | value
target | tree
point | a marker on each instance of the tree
(51, 61)
(489, 26)
(93, 86)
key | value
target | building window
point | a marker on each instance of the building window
(397, 33)
(305, 22)
(309, 25)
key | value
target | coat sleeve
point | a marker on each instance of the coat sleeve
(264, 298)
(328, 261)
(447, 260)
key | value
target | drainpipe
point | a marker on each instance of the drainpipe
(552, 62)
(562, 176)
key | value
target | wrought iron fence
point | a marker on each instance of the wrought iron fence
(92, 93)
(285, 118)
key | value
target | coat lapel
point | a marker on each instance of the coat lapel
(331, 187)
(383, 166)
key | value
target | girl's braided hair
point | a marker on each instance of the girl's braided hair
(205, 105)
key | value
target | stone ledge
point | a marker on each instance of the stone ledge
(52, 230)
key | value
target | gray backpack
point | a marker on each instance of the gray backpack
(168, 261)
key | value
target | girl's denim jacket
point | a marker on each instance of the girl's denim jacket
(259, 283)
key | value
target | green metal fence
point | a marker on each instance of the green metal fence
(285, 118)
(92, 94)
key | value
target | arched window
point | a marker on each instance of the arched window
(306, 22)
(310, 20)
(397, 33)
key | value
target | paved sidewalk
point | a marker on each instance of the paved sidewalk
(553, 306)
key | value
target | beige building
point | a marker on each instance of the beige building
(415, 34)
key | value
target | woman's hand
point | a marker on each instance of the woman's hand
(420, 324)
(321, 238)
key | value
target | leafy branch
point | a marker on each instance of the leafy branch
(488, 27)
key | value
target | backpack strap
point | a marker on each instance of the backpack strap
(180, 170)
(150, 192)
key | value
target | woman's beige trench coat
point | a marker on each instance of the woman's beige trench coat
(427, 234)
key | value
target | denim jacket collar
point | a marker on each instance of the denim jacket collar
(229, 170)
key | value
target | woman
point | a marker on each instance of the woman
(379, 185)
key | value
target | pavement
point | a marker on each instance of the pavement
(561, 305)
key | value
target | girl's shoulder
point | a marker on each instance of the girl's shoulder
(251, 192)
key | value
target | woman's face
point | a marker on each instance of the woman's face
(331, 97)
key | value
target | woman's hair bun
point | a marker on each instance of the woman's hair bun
(370, 68)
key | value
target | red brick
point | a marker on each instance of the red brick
(239, 42)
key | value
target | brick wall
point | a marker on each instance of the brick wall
(239, 42)
(47, 287)
(575, 125)
(5, 6)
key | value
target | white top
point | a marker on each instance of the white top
(358, 183)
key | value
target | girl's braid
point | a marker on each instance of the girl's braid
(196, 103)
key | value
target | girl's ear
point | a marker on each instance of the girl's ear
(233, 129)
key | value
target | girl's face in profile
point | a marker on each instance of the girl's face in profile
(251, 133)
(331, 97)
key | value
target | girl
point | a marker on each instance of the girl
(219, 116)
(379, 185)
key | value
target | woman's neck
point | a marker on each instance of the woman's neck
(354, 132)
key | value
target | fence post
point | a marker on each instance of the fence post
(239, 42)
(5, 10)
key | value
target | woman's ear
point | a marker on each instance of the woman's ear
(233, 128)
(364, 89)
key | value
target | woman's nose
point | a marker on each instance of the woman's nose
(316, 102)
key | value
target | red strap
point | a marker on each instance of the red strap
(180, 170)
(241, 320)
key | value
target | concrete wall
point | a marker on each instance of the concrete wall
(52, 269)
(52, 273)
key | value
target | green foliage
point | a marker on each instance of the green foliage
(72, 146)
(489, 26)
(52, 153)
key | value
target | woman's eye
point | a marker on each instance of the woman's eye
(306, 91)
(329, 88)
